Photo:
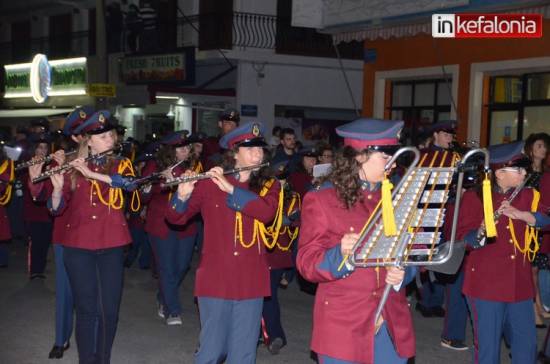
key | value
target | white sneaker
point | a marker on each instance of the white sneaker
(160, 311)
(173, 320)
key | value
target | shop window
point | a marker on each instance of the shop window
(519, 105)
(538, 87)
(506, 90)
(536, 120)
(504, 126)
(419, 103)
(424, 94)
(402, 95)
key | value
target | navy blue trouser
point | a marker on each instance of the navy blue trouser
(229, 329)
(432, 294)
(140, 244)
(173, 257)
(64, 304)
(492, 319)
(96, 278)
(4, 253)
(384, 351)
(456, 310)
(271, 311)
(40, 233)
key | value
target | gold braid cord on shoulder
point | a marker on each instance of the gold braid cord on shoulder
(5, 198)
(268, 235)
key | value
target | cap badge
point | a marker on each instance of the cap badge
(101, 118)
(255, 130)
(82, 114)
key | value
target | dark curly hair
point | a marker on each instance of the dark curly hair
(344, 176)
(257, 178)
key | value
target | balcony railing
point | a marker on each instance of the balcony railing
(225, 31)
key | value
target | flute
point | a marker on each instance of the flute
(67, 166)
(197, 177)
(45, 159)
(154, 177)
(482, 232)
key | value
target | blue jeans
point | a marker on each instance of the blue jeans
(96, 281)
(173, 259)
(64, 305)
(229, 329)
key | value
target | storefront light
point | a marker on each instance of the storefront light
(162, 97)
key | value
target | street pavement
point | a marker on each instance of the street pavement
(27, 319)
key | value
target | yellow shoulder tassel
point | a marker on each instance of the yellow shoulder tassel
(387, 209)
(490, 227)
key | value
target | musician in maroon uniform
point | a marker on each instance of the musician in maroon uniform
(41, 191)
(232, 278)
(7, 174)
(498, 282)
(96, 232)
(344, 330)
(37, 219)
(441, 154)
(173, 246)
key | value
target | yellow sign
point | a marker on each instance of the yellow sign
(102, 90)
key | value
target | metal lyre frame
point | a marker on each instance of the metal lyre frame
(374, 249)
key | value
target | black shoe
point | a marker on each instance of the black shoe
(454, 344)
(438, 311)
(37, 275)
(275, 346)
(424, 311)
(57, 351)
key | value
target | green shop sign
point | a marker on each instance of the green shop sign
(66, 77)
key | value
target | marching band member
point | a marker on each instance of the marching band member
(332, 216)
(37, 218)
(7, 176)
(41, 191)
(232, 278)
(280, 261)
(498, 283)
(95, 234)
(172, 246)
(536, 148)
(440, 154)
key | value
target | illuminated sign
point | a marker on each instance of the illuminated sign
(162, 68)
(43, 78)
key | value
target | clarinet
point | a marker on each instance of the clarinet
(46, 159)
(197, 177)
(67, 166)
(481, 237)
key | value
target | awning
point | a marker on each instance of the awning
(411, 29)
(32, 113)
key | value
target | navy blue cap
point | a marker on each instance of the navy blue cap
(448, 126)
(76, 118)
(365, 133)
(308, 152)
(247, 135)
(197, 137)
(98, 123)
(230, 114)
(176, 139)
(507, 155)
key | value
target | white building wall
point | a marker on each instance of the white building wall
(314, 82)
